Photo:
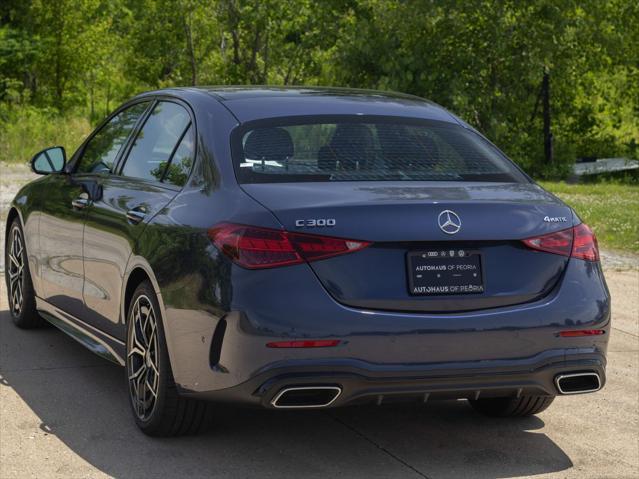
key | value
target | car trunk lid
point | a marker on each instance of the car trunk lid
(404, 222)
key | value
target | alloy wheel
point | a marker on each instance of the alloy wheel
(143, 368)
(16, 272)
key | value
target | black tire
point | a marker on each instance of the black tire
(512, 407)
(164, 413)
(20, 294)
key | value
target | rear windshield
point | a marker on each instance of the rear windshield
(359, 149)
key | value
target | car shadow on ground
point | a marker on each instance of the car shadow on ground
(81, 399)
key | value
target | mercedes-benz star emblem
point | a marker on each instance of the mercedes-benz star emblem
(449, 222)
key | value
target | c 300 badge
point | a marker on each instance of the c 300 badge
(315, 222)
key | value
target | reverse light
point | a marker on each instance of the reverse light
(306, 343)
(255, 247)
(579, 242)
(581, 332)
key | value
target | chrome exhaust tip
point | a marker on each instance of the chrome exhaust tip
(578, 383)
(299, 397)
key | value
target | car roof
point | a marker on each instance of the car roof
(248, 103)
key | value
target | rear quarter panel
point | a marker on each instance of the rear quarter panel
(191, 278)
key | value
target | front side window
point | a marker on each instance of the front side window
(156, 142)
(366, 149)
(100, 153)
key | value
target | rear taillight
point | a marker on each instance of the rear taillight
(558, 243)
(578, 242)
(254, 247)
(584, 245)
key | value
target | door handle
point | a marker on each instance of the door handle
(82, 201)
(136, 215)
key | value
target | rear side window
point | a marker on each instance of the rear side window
(156, 142)
(102, 150)
(177, 171)
(358, 149)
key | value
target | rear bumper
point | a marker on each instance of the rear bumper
(360, 382)
(502, 351)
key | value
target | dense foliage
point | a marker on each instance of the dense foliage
(483, 59)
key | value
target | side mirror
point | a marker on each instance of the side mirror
(51, 160)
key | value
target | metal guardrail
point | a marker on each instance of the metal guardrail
(604, 165)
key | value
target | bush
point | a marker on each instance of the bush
(26, 130)
(628, 177)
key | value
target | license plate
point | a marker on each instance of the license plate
(445, 272)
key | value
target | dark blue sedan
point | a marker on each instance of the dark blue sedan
(307, 248)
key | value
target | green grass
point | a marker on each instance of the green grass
(25, 131)
(611, 209)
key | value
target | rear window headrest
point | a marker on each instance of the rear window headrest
(270, 144)
(351, 136)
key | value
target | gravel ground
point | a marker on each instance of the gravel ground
(63, 414)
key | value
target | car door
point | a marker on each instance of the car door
(149, 175)
(64, 210)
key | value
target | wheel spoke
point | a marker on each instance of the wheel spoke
(137, 344)
(154, 368)
(152, 336)
(141, 386)
(140, 345)
(17, 244)
(145, 325)
(153, 348)
(17, 300)
(140, 399)
(150, 389)
(140, 323)
(14, 276)
(13, 259)
(141, 370)
(14, 300)
(136, 350)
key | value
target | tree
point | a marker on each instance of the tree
(483, 59)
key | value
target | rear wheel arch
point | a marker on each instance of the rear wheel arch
(12, 215)
(139, 270)
(15, 215)
(135, 278)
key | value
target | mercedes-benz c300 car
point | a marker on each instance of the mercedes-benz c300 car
(307, 248)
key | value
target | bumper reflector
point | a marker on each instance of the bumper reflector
(319, 343)
(581, 332)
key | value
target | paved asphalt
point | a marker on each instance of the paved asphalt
(64, 414)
